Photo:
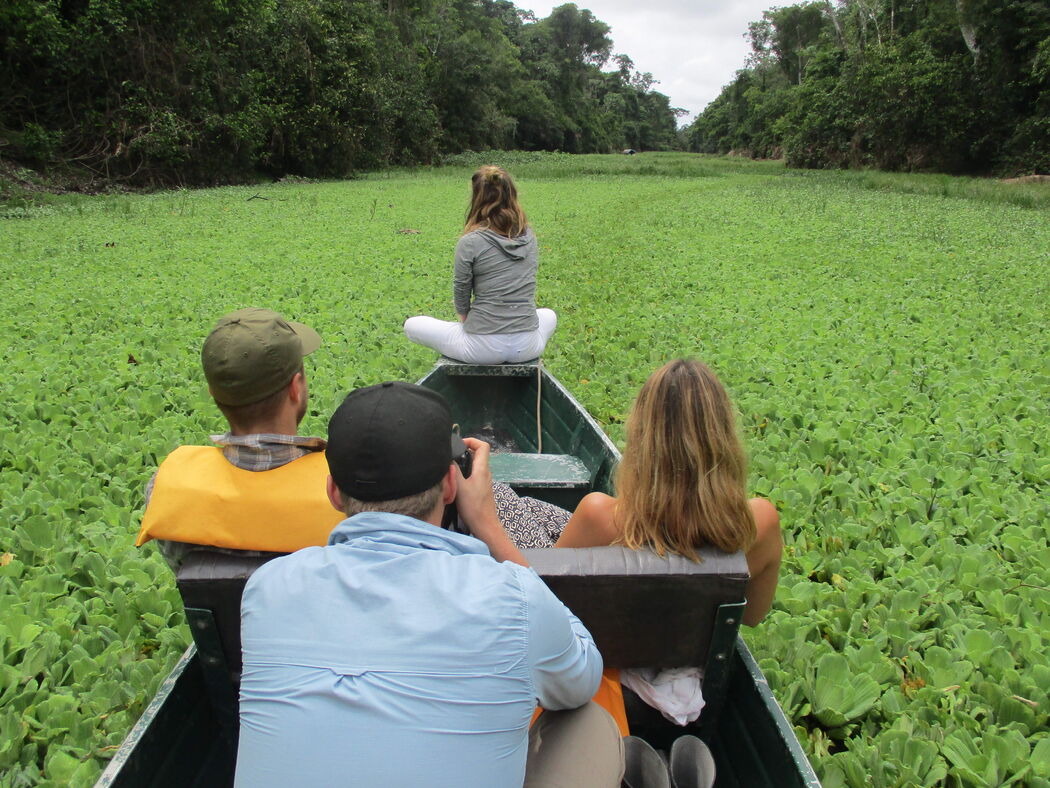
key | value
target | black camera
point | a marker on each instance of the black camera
(465, 461)
(450, 519)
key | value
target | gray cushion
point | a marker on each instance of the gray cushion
(642, 609)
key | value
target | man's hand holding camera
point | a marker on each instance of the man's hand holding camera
(477, 508)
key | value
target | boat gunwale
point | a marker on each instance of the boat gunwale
(784, 729)
(153, 710)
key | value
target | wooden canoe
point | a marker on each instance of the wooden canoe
(549, 447)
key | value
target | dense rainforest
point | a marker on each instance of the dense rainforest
(149, 92)
(210, 91)
(958, 86)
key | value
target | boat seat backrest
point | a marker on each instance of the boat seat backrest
(214, 582)
(643, 610)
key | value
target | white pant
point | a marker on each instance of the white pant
(451, 340)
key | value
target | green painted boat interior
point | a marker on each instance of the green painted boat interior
(179, 742)
(544, 443)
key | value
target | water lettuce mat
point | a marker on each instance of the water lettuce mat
(884, 337)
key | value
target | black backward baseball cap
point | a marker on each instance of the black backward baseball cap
(390, 441)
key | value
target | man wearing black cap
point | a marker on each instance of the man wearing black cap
(261, 488)
(402, 654)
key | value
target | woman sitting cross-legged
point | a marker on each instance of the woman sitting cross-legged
(494, 283)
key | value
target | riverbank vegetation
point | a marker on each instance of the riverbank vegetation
(196, 93)
(955, 86)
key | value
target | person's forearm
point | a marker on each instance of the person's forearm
(499, 544)
(477, 508)
(461, 301)
(564, 662)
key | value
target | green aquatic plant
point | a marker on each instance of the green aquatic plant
(886, 348)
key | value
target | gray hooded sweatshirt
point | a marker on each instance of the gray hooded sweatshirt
(501, 273)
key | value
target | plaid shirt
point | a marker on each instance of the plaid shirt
(265, 451)
(257, 452)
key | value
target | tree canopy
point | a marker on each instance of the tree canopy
(948, 85)
(206, 91)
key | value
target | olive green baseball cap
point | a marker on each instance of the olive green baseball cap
(251, 353)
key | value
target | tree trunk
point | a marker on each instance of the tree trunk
(838, 25)
(969, 33)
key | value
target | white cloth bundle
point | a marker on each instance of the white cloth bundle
(675, 693)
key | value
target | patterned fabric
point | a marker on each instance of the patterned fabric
(529, 522)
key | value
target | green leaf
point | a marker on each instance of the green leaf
(60, 766)
(37, 533)
(917, 761)
(979, 644)
(27, 635)
(940, 669)
(1011, 750)
(839, 696)
(962, 752)
(1041, 758)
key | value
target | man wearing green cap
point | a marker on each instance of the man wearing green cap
(259, 488)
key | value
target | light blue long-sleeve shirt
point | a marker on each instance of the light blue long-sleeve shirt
(401, 655)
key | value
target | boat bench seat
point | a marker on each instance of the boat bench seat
(646, 610)
(643, 610)
(463, 369)
(539, 470)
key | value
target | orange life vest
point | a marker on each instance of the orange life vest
(610, 697)
(200, 497)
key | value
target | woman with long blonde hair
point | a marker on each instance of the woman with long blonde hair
(494, 283)
(682, 483)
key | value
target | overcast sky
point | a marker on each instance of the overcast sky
(692, 47)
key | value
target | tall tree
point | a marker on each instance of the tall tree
(951, 85)
(208, 91)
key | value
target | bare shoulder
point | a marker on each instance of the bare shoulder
(597, 505)
(592, 524)
(597, 511)
(769, 543)
(766, 515)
